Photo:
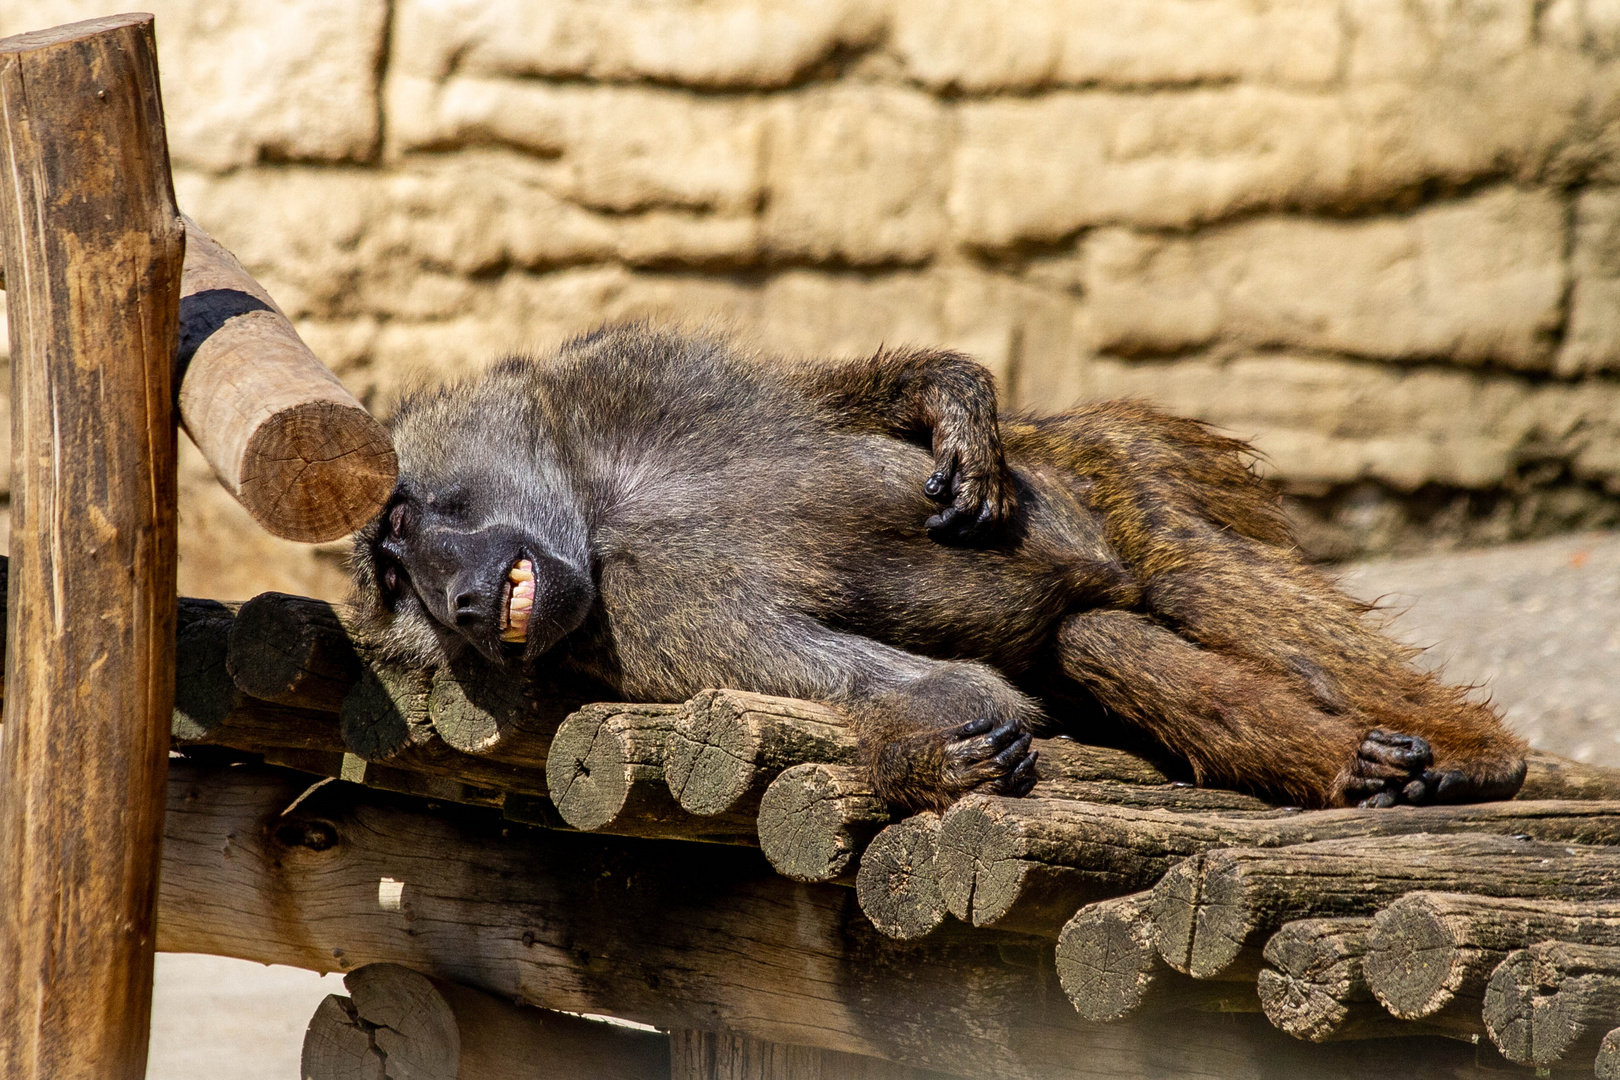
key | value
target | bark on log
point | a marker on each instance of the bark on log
(711, 1055)
(1110, 969)
(1210, 906)
(605, 773)
(678, 936)
(815, 820)
(1607, 1066)
(293, 650)
(1431, 954)
(285, 438)
(897, 884)
(1316, 989)
(1553, 1003)
(1026, 865)
(93, 246)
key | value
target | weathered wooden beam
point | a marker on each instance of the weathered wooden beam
(1027, 864)
(285, 438)
(1548, 776)
(1315, 988)
(385, 713)
(897, 885)
(726, 747)
(814, 821)
(605, 773)
(93, 246)
(681, 936)
(1110, 968)
(204, 694)
(1553, 1003)
(1209, 907)
(398, 1023)
(1431, 954)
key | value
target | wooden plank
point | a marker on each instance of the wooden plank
(93, 247)
(711, 1055)
(680, 936)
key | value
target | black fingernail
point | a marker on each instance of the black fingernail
(934, 486)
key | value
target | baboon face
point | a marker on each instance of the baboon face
(480, 545)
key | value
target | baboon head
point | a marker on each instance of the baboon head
(484, 541)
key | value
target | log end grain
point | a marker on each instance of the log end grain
(1106, 959)
(815, 819)
(1201, 922)
(1314, 989)
(317, 471)
(293, 650)
(983, 868)
(588, 771)
(204, 693)
(385, 713)
(395, 1023)
(710, 760)
(476, 709)
(897, 884)
(1413, 964)
(1608, 1057)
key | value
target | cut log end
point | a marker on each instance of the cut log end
(317, 471)
(204, 694)
(1314, 989)
(711, 755)
(1414, 964)
(897, 884)
(386, 712)
(982, 871)
(476, 711)
(293, 650)
(588, 771)
(395, 1023)
(815, 819)
(1608, 1057)
(1553, 1003)
(1106, 960)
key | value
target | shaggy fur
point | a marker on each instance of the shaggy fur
(700, 519)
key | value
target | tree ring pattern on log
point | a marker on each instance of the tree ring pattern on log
(709, 761)
(814, 820)
(317, 471)
(896, 883)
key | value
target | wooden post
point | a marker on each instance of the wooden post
(93, 250)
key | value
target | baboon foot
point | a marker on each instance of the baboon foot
(933, 768)
(976, 496)
(1389, 769)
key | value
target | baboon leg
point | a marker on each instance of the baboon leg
(1236, 722)
(927, 393)
(1262, 603)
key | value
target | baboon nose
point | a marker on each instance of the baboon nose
(466, 609)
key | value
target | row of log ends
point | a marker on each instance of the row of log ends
(1499, 920)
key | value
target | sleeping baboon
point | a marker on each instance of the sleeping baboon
(660, 514)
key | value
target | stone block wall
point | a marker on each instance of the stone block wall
(1379, 237)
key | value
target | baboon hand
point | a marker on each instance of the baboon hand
(973, 486)
(1390, 769)
(934, 767)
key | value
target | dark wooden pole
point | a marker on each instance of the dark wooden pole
(93, 249)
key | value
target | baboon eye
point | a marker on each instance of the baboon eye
(390, 578)
(399, 519)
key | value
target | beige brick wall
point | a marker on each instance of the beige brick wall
(1382, 238)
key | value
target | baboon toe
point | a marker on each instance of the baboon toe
(983, 754)
(1390, 769)
(974, 501)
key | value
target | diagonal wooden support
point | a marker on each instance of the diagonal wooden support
(93, 248)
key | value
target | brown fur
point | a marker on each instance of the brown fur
(706, 520)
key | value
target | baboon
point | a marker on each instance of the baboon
(659, 513)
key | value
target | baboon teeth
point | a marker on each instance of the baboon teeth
(519, 602)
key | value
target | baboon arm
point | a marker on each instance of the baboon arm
(937, 394)
(1235, 722)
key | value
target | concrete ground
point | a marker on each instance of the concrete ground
(1535, 625)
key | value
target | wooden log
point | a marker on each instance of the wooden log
(385, 713)
(1209, 907)
(1607, 1066)
(815, 819)
(93, 246)
(680, 936)
(897, 885)
(1110, 969)
(727, 746)
(1026, 865)
(294, 650)
(495, 713)
(393, 1023)
(204, 694)
(285, 438)
(1548, 776)
(1431, 954)
(605, 773)
(1316, 990)
(397, 1023)
(1553, 1003)
(713, 1055)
